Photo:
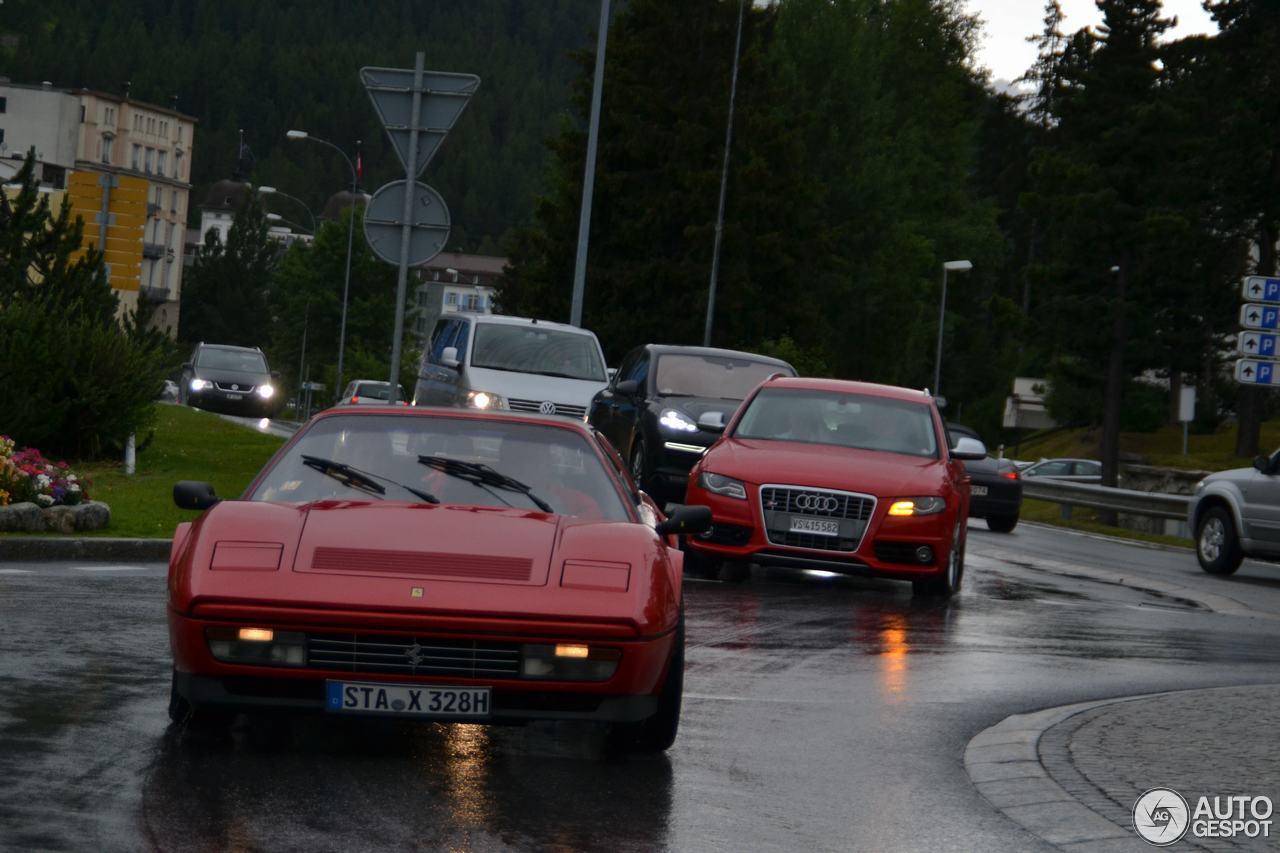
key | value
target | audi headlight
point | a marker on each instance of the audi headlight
(265, 391)
(200, 384)
(678, 421)
(719, 484)
(485, 400)
(917, 506)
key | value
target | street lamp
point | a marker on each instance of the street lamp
(300, 202)
(948, 266)
(346, 278)
(275, 217)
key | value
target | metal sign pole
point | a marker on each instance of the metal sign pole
(406, 219)
(589, 175)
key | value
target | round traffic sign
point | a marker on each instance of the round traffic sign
(428, 220)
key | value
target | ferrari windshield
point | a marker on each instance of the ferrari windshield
(425, 454)
(844, 420)
(534, 349)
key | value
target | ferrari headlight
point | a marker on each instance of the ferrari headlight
(485, 400)
(257, 646)
(678, 421)
(917, 506)
(265, 391)
(718, 484)
(200, 384)
(569, 662)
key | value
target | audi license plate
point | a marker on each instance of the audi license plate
(815, 525)
(978, 491)
(235, 396)
(406, 700)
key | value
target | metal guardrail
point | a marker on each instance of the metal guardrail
(1151, 504)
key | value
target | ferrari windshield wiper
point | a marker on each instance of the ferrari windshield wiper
(362, 480)
(479, 474)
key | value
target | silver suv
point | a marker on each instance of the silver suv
(1236, 514)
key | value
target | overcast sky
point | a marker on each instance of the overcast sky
(1007, 23)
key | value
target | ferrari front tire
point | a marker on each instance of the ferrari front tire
(658, 732)
(183, 713)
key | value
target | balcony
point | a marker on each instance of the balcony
(155, 251)
(153, 294)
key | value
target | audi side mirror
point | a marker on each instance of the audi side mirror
(627, 387)
(969, 449)
(194, 494)
(685, 519)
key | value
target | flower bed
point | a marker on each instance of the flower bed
(39, 495)
(27, 477)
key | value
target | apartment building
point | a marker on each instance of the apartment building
(121, 136)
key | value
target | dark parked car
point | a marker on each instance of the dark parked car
(234, 380)
(995, 492)
(667, 404)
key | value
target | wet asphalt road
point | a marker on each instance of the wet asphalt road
(821, 714)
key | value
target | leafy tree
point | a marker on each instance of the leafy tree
(1095, 184)
(658, 171)
(224, 294)
(77, 381)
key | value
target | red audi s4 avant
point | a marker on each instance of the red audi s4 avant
(434, 564)
(838, 476)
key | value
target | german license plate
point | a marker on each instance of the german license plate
(978, 491)
(815, 525)
(235, 396)
(406, 700)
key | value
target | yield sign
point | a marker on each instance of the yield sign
(444, 97)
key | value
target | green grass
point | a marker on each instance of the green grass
(1215, 452)
(1087, 520)
(188, 445)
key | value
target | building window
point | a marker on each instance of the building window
(82, 113)
(4, 105)
(108, 143)
(161, 157)
(173, 197)
(137, 157)
(179, 133)
(151, 160)
(1, 135)
(451, 299)
(177, 164)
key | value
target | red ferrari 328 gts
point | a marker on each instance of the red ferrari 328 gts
(435, 564)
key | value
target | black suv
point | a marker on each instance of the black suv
(667, 404)
(234, 380)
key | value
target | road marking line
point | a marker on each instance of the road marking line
(15, 571)
(109, 568)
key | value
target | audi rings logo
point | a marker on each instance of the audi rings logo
(817, 503)
(1161, 816)
(547, 408)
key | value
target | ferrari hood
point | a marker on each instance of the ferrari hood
(455, 543)
(825, 467)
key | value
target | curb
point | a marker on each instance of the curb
(1004, 764)
(46, 548)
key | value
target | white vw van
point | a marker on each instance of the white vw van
(491, 361)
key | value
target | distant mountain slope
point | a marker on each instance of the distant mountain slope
(268, 67)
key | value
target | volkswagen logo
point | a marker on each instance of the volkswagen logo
(547, 408)
(235, 387)
(817, 503)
